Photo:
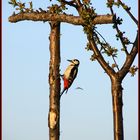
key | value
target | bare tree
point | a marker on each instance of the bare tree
(87, 18)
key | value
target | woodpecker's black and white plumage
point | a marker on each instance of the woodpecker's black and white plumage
(70, 74)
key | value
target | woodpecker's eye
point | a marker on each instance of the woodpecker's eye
(76, 62)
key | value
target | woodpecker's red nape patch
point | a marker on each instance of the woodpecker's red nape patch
(66, 84)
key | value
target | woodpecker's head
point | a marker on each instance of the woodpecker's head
(74, 62)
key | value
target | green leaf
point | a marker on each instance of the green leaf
(93, 57)
(133, 70)
(31, 5)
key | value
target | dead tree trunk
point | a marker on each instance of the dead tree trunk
(117, 103)
(54, 81)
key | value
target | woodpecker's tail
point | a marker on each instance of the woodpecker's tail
(62, 92)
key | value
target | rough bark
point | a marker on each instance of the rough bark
(54, 81)
(117, 103)
(76, 20)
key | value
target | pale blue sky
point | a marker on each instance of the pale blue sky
(85, 114)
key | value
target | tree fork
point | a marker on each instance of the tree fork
(54, 81)
(117, 103)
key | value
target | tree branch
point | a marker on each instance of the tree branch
(70, 3)
(100, 58)
(128, 12)
(78, 2)
(76, 20)
(102, 47)
(118, 32)
(129, 59)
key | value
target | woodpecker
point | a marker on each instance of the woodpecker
(70, 74)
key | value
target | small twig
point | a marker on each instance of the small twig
(129, 59)
(101, 36)
(110, 71)
(115, 63)
(105, 49)
(78, 2)
(70, 3)
(118, 31)
(128, 12)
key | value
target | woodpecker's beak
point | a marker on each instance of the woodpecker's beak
(69, 60)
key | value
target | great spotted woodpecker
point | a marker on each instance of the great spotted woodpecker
(70, 74)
